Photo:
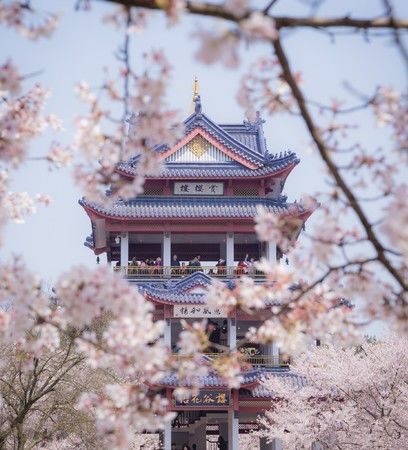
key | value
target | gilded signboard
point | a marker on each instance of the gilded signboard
(207, 398)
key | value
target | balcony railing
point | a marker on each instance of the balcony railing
(257, 361)
(174, 272)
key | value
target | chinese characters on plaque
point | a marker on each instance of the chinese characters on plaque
(198, 188)
(197, 311)
(206, 398)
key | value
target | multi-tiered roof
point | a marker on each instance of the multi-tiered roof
(235, 155)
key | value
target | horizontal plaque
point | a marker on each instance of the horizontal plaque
(198, 188)
(198, 311)
(206, 398)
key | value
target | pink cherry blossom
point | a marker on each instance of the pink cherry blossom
(259, 26)
(19, 16)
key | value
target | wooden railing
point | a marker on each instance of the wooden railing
(179, 272)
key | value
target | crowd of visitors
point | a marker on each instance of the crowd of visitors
(151, 266)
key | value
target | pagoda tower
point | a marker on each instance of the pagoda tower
(195, 221)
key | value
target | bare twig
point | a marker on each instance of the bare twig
(398, 41)
(269, 6)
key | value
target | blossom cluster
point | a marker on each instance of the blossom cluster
(263, 87)
(21, 17)
(348, 398)
(391, 108)
(152, 124)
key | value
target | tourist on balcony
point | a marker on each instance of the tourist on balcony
(175, 265)
(195, 264)
(158, 263)
(133, 266)
(221, 267)
(251, 269)
(143, 268)
(183, 269)
(242, 268)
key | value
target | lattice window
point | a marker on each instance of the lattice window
(153, 190)
(246, 191)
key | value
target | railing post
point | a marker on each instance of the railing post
(124, 251)
(272, 353)
(230, 254)
(271, 252)
(166, 251)
(167, 333)
(232, 333)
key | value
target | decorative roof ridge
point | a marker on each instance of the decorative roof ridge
(261, 391)
(194, 280)
(203, 199)
(197, 277)
(89, 242)
(250, 378)
(267, 160)
(149, 207)
(203, 121)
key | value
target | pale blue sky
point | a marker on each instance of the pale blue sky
(52, 240)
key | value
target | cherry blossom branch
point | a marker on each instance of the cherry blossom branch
(219, 11)
(325, 155)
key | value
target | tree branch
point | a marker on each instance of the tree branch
(325, 155)
(218, 10)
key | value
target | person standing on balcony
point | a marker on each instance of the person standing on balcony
(159, 265)
(183, 269)
(251, 269)
(195, 263)
(175, 265)
(198, 264)
(221, 267)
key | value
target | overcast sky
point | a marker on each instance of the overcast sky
(52, 240)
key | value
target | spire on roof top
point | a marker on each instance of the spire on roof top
(196, 88)
(196, 103)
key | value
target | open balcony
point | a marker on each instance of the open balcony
(173, 255)
(253, 355)
(138, 271)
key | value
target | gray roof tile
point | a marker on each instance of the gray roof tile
(191, 207)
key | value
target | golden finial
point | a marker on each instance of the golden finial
(196, 92)
(196, 88)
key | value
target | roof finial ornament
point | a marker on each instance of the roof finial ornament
(196, 96)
